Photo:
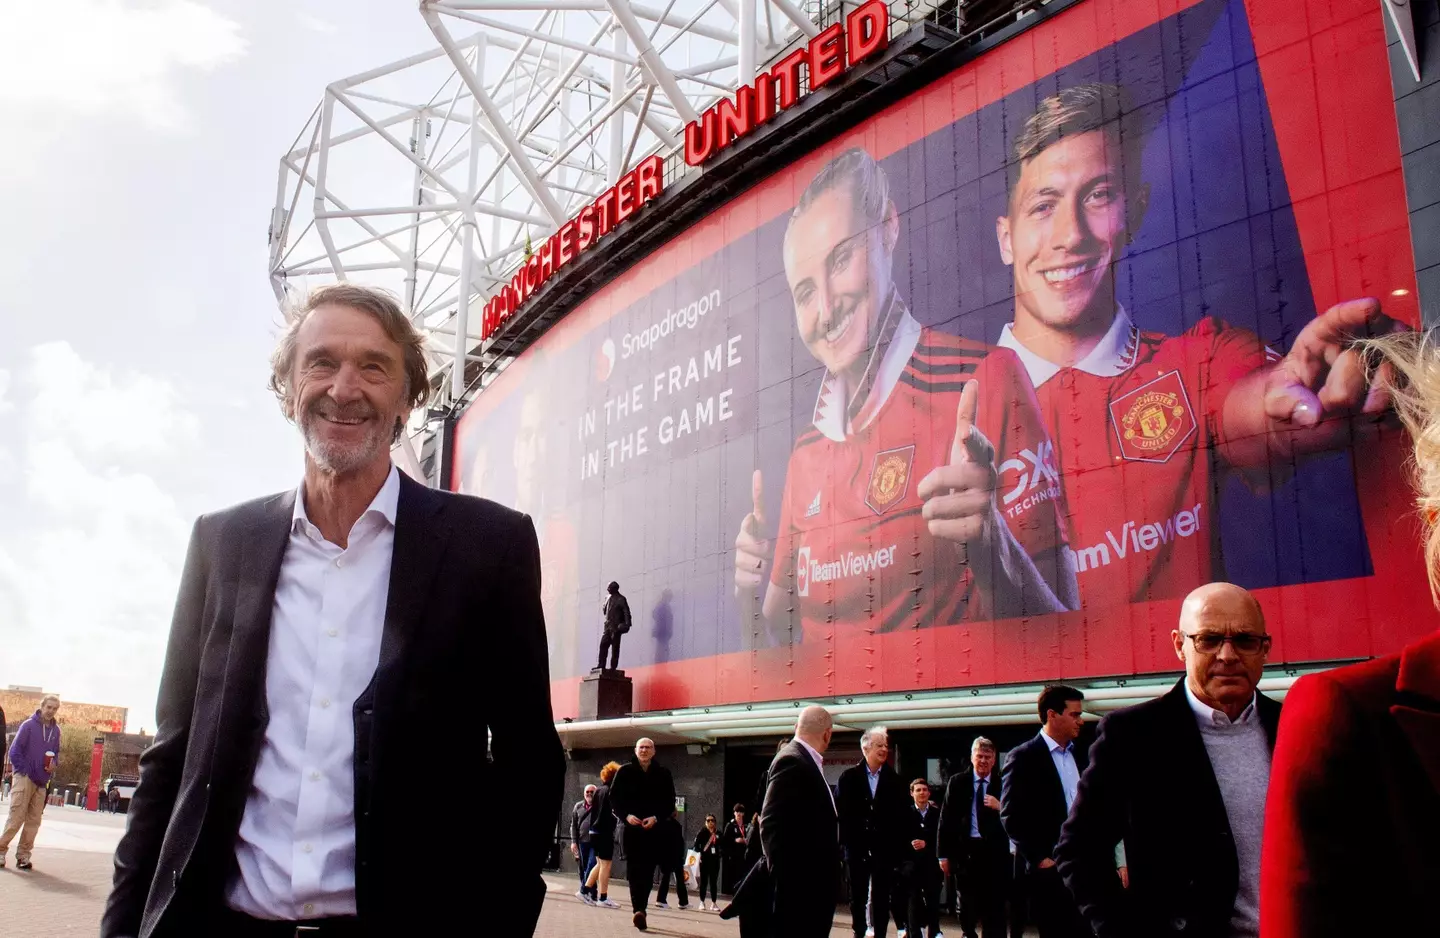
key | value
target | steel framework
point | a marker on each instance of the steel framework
(444, 168)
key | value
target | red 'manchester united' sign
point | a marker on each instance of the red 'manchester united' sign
(595, 220)
(864, 34)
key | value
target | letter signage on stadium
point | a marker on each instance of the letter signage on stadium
(749, 428)
(616, 204)
(866, 33)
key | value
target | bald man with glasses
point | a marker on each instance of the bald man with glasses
(1181, 781)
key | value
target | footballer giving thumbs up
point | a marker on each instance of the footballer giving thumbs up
(960, 496)
(753, 547)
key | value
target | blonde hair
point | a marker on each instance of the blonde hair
(1413, 380)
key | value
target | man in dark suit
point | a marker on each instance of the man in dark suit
(1341, 862)
(733, 840)
(1038, 785)
(316, 637)
(873, 803)
(799, 832)
(973, 844)
(919, 870)
(1207, 744)
(643, 794)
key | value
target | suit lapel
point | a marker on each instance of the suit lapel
(1418, 712)
(1193, 758)
(420, 538)
(262, 551)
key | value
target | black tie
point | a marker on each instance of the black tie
(979, 803)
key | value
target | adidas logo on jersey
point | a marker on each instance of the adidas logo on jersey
(814, 508)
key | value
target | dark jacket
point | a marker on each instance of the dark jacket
(1032, 800)
(801, 841)
(955, 816)
(871, 826)
(915, 827)
(635, 791)
(602, 818)
(1352, 822)
(728, 835)
(581, 817)
(464, 588)
(705, 848)
(1183, 870)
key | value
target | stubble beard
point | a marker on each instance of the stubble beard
(341, 459)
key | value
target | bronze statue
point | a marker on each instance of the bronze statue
(617, 623)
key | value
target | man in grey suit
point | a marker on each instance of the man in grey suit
(317, 635)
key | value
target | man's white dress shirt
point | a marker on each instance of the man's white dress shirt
(296, 848)
(1064, 758)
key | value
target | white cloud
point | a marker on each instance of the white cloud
(108, 58)
(89, 569)
(5, 405)
(314, 23)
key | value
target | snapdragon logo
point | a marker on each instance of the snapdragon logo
(852, 563)
(685, 317)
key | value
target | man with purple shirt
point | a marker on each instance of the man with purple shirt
(33, 756)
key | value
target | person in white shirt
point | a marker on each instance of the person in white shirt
(316, 634)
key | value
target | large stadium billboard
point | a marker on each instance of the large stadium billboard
(776, 431)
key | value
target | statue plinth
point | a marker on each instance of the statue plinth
(605, 695)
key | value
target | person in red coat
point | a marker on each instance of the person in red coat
(1353, 811)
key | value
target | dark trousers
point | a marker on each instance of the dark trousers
(641, 856)
(921, 882)
(609, 641)
(710, 876)
(872, 880)
(1019, 913)
(682, 894)
(804, 907)
(1053, 906)
(587, 863)
(984, 886)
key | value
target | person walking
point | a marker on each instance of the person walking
(872, 805)
(707, 844)
(34, 756)
(799, 831)
(319, 638)
(1196, 873)
(919, 871)
(580, 823)
(1038, 785)
(973, 845)
(672, 864)
(643, 794)
(602, 841)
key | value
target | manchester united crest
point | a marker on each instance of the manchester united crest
(889, 478)
(1152, 421)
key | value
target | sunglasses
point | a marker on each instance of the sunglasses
(1246, 643)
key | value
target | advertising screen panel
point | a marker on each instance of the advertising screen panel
(976, 392)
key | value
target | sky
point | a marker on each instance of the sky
(137, 173)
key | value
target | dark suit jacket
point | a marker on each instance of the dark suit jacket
(915, 827)
(464, 589)
(954, 831)
(1032, 800)
(1352, 824)
(1150, 784)
(872, 825)
(800, 836)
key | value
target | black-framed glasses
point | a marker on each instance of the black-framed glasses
(1246, 643)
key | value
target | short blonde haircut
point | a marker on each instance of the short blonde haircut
(380, 304)
(1413, 380)
(49, 697)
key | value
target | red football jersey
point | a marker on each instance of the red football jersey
(1138, 460)
(852, 546)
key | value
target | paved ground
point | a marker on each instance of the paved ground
(66, 891)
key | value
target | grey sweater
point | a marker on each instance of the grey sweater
(1240, 756)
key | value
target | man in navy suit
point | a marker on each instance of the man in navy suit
(973, 844)
(919, 870)
(1038, 785)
